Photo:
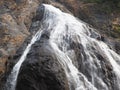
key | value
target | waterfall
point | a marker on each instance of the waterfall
(65, 30)
(71, 42)
(12, 78)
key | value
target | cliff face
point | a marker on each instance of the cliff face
(15, 20)
(16, 17)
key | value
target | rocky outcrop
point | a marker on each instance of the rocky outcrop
(41, 71)
(15, 20)
(16, 17)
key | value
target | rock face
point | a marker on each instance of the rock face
(15, 20)
(41, 70)
(16, 17)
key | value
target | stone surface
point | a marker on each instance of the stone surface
(16, 17)
(15, 20)
(41, 71)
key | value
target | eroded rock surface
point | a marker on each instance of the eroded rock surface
(16, 17)
(15, 20)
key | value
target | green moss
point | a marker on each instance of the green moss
(106, 9)
(116, 27)
(118, 4)
(116, 31)
(115, 3)
(93, 1)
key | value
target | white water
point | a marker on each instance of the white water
(12, 79)
(57, 21)
(65, 29)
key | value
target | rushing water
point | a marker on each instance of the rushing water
(12, 79)
(65, 29)
(67, 35)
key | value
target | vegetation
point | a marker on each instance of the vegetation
(116, 29)
(93, 1)
(113, 2)
(109, 7)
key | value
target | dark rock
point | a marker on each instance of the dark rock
(39, 13)
(41, 71)
(117, 47)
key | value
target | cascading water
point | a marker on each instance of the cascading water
(70, 41)
(12, 79)
(65, 29)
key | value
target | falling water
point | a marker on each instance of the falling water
(65, 29)
(68, 35)
(12, 79)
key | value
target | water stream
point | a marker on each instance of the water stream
(12, 78)
(66, 35)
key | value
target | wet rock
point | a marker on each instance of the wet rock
(41, 70)
(40, 66)
(105, 22)
(15, 20)
(117, 46)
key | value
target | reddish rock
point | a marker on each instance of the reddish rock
(15, 20)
